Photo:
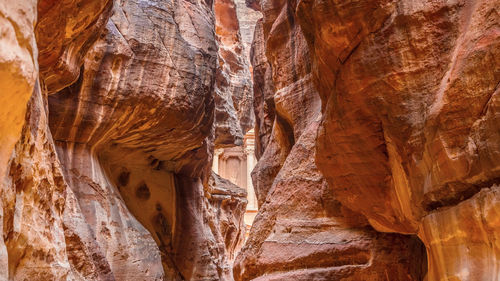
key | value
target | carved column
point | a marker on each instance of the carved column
(215, 164)
(249, 143)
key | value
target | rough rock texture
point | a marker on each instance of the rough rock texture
(410, 130)
(18, 71)
(233, 92)
(248, 17)
(65, 31)
(377, 122)
(33, 204)
(302, 232)
(33, 194)
(263, 92)
(40, 213)
(110, 179)
(227, 207)
(137, 126)
(408, 126)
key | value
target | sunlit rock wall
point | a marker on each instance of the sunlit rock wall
(34, 196)
(18, 71)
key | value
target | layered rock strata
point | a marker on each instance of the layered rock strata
(34, 196)
(302, 232)
(263, 92)
(233, 88)
(65, 31)
(144, 107)
(111, 177)
(376, 123)
(409, 136)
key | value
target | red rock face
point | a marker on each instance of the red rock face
(227, 207)
(233, 92)
(142, 114)
(263, 92)
(34, 196)
(64, 32)
(114, 184)
(234, 27)
(408, 96)
(377, 131)
(409, 129)
(302, 232)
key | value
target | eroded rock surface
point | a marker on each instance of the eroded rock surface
(18, 71)
(263, 91)
(302, 232)
(65, 31)
(142, 114)
(113, 183)
(410, 127)
(233, 90)
(33, 201)
(377, 122)
(34, 195)
(227, 207)
(408, 134)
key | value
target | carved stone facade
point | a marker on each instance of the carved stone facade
(236, 164)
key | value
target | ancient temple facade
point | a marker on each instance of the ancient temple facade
(236, 165)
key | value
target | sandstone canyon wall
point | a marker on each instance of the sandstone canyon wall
(410, 96)
(377, 134)
(402, 131)
(233, 88)
(302, 232)
(110, 177)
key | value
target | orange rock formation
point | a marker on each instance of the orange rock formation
(377, 132)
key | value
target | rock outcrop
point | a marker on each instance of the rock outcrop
(65, 31)
(46, 35)
(377, 129)
(407, 133)
(34, 196)
(111, 179)
(247, 17)
(302, 232)
(18, 71)
(263, 92)
(233, 90)
(226, 210)
(142, 114)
